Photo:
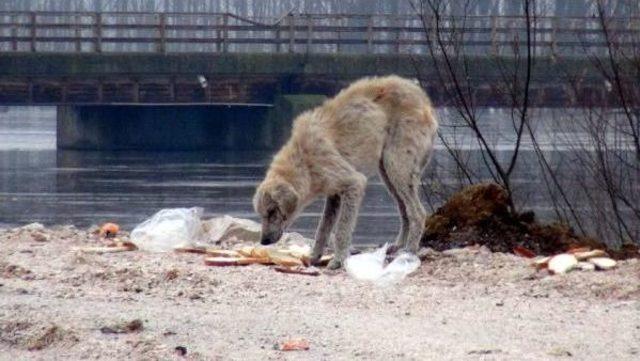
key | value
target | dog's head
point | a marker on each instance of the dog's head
(276, 202)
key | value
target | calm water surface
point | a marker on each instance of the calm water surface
(38, 183)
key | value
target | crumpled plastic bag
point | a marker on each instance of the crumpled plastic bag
(226, 228)
(182, 227)
(369, 266)
(168, 229)
(222, 229)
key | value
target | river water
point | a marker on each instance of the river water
(39, 183)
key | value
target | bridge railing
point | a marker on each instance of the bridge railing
(224, 32)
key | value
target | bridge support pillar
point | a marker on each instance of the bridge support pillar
(285, 109)
(178, 127)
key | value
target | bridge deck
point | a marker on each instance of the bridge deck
(185, 58)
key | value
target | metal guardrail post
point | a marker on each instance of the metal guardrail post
(309, 32)
(397, 34)
(225, 32)
(14, 34)
(162, 20)
(292, 32)
(494, 40)
(370, 34)
(33, 18)
(554, 25)
(277, 37)
(77, 33)
(97, 32)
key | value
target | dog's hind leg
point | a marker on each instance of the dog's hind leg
(325, 227)
(403, 157)
(401, 239)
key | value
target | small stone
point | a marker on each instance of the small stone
(180, 350)
(33, 227)
(39, 237)
(560, 352)
(123, 327)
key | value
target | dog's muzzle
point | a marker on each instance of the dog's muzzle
(270, 238)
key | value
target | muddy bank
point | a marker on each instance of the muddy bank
(480, 215)
(59, 304)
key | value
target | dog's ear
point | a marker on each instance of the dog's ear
(263, 201)
(287, 198)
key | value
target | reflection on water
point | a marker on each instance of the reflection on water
(38, 183)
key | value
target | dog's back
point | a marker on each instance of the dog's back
(359, 119)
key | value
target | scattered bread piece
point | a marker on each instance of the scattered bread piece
(246, 251)
(109, 230)
(298, 251)
(232, 261)
(312, 271)
(523, 252)
(295, 345)
(562, 263)
(581, 256)
(586, 266)
(222, 253)
(128, 244)
(574, 250)
(223, 261)
(541, 263)
(259, 252)
(200, 250)
(283, 259)
(603, 263)
(103, 249)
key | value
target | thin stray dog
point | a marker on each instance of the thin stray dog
(381, 123)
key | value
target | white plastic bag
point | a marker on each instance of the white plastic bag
(221, 229)
(370, 267)
(403, 265)
(168, 229)
(226, 228)
(367, 266)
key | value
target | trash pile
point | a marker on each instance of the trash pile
(224, 241)
(227, 241)
(479, 215)
(583, 259)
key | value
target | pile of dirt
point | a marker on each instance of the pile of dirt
(479, 214)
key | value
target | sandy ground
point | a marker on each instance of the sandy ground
(461, 304)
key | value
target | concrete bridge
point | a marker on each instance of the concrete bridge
(179, 81)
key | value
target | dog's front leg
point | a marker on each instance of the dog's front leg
(325, 227)
(350, 198)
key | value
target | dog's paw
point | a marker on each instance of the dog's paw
(315, 260)
(393, 249)
(335, 264)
